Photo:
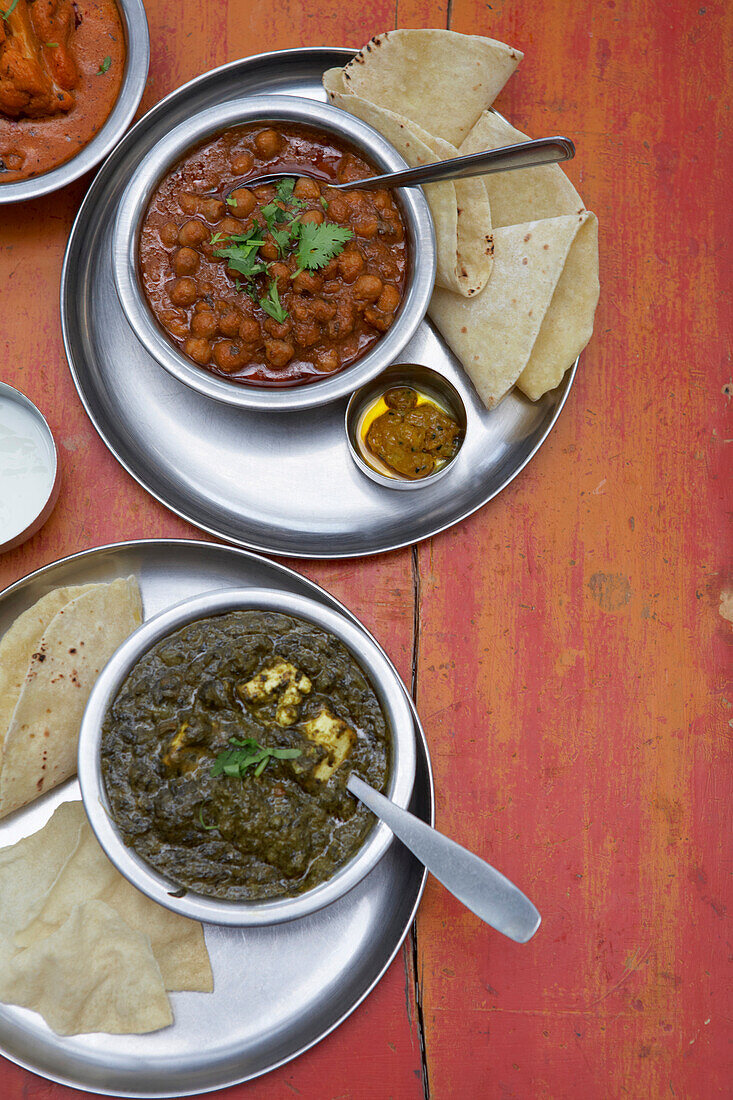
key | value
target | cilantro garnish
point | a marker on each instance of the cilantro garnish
(313, 246)
(272, 305)
(241, 252)
(272, 213)
(284, 191)
(318, 244)
(284, 188)
(104, 66)
(10, 10)
(245, 754)
(208, 828)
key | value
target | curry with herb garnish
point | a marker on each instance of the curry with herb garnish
(61, 68)
(226, 752)
(278, 283)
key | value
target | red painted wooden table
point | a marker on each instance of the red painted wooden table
(567, 645)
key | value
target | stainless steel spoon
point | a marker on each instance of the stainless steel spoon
(527, 154)
(480, 887)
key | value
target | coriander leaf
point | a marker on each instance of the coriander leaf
(51, 45)
(245, 261)
(241, 252)
(283, 238)
(272, 304)
(104, 66)
(10, 10)
(253, 237)
(208, 828)
(235, 761)
(324, 203)
(272, 213)
(284, 189)
(318, 244)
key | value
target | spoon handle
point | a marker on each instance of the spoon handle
(527, 154)
(481, 888)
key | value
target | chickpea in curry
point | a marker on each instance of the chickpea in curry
(276, 283)
(61, 68)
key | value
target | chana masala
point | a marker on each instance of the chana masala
(61, 69)
(276, 283)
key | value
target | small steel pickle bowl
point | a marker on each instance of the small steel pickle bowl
(137, 60)
(392, 698)
(417, 377)
(271, 109)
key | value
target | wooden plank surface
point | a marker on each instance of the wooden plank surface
(570, 651)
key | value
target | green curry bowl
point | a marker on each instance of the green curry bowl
(215, 750)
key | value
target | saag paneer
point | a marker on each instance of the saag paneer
(226, 753)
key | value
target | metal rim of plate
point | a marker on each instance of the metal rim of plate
(279, 483)
(209, 1046)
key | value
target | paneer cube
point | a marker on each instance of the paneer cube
(280, 676)
(177, 742)
(334, 735)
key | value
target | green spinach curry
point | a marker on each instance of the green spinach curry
(226, 753)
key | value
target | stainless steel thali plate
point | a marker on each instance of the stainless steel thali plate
(279, 482)
(264, 1009)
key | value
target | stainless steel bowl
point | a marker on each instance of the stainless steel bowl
(172, 148)
(10, 536)
(137, 41)
(389, 691)
(417, 377)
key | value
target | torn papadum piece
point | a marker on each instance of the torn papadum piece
(29, 868)
(71, 927)
(70, 644)
(535, 314)
(177, 942)
(93, 974)
(460, 208)
(439, 79)
(526, 194)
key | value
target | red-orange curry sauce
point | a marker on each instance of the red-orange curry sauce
(303, 312)
(61, 68)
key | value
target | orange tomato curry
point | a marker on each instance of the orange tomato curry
(61, 67)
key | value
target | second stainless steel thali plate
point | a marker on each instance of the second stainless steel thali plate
(266, 1006)
(279, 482)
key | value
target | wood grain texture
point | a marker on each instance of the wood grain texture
(570, 656)
(570, 649)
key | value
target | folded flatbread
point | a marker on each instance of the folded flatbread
(439, 79)
(534, 316)
(460, 209)
(526, 194)
(49, 660)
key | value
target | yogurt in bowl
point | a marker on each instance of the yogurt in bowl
(28, 468)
